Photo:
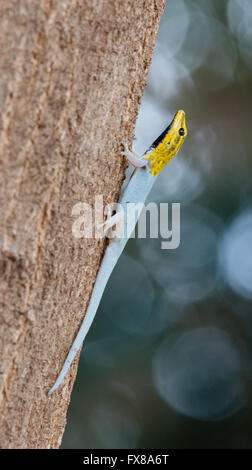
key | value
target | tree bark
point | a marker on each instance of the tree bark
(72, 75)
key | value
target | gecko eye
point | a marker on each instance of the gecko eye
(181, 131)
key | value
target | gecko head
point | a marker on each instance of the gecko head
(167, 145)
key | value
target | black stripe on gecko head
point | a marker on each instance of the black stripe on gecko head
(160, 138)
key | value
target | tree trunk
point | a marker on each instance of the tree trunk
(72, 75)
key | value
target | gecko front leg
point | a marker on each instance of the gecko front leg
(132, 156)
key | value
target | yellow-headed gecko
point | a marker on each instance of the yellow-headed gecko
(163, 149)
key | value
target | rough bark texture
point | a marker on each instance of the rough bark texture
(72, 75)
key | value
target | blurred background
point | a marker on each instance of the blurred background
(167, 362)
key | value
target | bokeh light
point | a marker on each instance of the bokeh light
(236, 254)
(200, 374)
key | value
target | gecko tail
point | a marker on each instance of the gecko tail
(111, 256)
(70, 357)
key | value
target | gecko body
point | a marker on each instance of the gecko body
(139, 186)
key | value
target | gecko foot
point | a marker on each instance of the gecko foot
(132, 156)
(106, 226)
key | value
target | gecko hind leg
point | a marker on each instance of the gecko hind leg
(110, 222)
(132, 156)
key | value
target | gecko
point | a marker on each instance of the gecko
(145, 172)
